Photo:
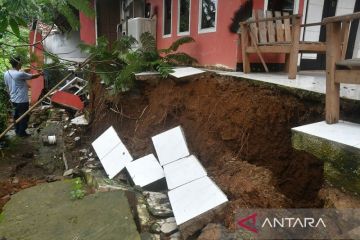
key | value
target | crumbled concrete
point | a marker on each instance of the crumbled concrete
(158, 204)
(46, 212)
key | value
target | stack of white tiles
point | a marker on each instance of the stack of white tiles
(115, 157)
(191, 191)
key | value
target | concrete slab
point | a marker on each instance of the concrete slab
(116, 160)
(343, 132)
(106, 142)
(46, 212)
(170, 145)
(195, 198)
(186, 72)
(313, 81)
(336, 146)
(183, 171)
(145, 170)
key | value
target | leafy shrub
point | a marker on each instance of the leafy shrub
(117, 64)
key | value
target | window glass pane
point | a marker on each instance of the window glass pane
(167, 17)
(208, 13)
(281, 5)
(184, 15)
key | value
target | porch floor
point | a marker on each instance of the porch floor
(314, 81)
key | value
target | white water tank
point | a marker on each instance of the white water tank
(137, 26)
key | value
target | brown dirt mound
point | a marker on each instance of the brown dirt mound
(226, 122)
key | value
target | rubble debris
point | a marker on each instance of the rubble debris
(145, 170)
(68, 100)
(183, 171)
(49, 140)
(68, 172)
(169, 226)
(170, 145)
(158, 204)
(175, 236)
(80, 120)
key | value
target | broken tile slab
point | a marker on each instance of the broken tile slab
(183, 171)
(106, 142)
(158, 204)
(80, 120)
(185, 72)
(145, 170)
(192, 199)
(116, 160)
(170, 145)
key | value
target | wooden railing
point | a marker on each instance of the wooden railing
(338, 70)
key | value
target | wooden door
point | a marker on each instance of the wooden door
(108, 17)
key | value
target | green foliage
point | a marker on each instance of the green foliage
(77, 189)
(117, 65)
(16, 13)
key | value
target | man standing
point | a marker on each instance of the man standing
(15, 81)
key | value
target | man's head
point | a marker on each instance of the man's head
(15, 62)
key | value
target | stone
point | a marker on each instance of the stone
(158, 204)
(68, 172)
(169, 226)
(15, 180)
(76, 139)
(175, 236)
(80, 120)
(156, 227)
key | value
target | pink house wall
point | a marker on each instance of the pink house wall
(213, 48)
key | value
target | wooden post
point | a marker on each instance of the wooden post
(345, 29)
(292, 58)
(333, 54)
(244, 44)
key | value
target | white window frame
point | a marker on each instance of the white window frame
(163, 20)
(207, 30)
(178, 21)
(296, 5)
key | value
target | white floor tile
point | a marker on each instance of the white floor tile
(197, 197)
(185, 72)
(170, 145)
(106, 142)
(116, 160)
(145, 170)
(183, 171)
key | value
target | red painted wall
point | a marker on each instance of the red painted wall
(214, 48)
(220, 48)
(87, 28)
(37, 84)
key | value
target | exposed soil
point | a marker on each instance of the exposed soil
(240, 131)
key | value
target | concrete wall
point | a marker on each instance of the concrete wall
(65, 46)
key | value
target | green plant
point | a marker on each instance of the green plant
(77, 189)
(117, 65)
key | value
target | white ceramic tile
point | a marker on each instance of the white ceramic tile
(343, 132)
(183, 171)
(194, 198)
(106, 142)
(116, 160)
(145, 170)
(185, 72)
(170, 145)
